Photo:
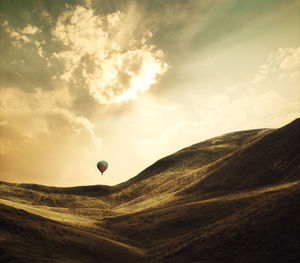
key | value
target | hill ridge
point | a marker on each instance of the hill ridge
(232, 198)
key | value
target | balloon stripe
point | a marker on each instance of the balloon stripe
(102, 166)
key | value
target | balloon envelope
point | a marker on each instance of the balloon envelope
(102, 166)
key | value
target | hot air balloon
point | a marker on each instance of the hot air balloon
(102, 166)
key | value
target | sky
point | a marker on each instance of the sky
(130, 82)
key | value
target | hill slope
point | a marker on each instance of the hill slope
(29, 238)
(233, 198)
(273, 159)
(172, 173)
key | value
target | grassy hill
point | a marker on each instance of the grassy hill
(233, 198)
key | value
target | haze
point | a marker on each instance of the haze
(133, 81)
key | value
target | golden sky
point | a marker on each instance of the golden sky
(130, 82)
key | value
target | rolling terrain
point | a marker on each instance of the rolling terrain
(232, 198)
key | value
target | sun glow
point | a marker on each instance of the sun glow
(112, 58)
(145, 78)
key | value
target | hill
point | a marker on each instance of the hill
(233, 198)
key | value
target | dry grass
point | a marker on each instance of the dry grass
(233, 198)
(45, 212)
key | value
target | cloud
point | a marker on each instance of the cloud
(47, 130)
(47, 16)
(108, 54)
(19, 37)
(42, 141)
(73, 64)
(173, 138)
(267, 109)
(29, 30)
(282, 63)
(221, 114)
(39, 48)
(291, 58)
(88, 3)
